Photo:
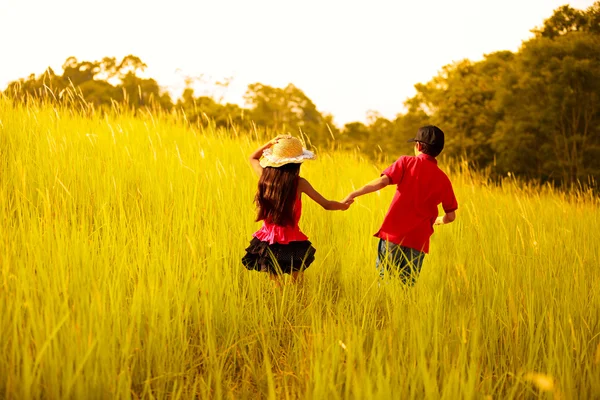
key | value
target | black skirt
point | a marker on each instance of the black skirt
(279, 258)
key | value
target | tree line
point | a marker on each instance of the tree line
(534, 113)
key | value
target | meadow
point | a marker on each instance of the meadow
(120, 276)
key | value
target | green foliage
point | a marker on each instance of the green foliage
(205, 110)
(535, 113)
(552, 110)
(461, 99)
(91, 81)
(104, 83)
(565, 19)
(288, 110)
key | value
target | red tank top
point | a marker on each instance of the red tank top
(272, 233)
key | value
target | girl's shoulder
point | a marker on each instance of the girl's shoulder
(302, 185)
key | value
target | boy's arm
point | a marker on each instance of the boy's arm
(449, 204)
(370, 187)
(446, 218)
(305, 187)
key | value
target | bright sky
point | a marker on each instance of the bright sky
(348, 56)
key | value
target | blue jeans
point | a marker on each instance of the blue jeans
(399, 260)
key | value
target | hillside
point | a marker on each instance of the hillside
(121, 277)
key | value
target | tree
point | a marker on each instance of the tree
(462, 99)
(206, 110)
(564, 20)
(95, 82)
(287, 110)
(535, 112)
(552, 111)
(593, 17)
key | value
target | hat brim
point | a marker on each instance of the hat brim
(269, 160)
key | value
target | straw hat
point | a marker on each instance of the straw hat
(287, 150)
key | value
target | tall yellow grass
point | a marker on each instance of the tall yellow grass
(120, 247)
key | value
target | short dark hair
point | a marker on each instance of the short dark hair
(430, 150)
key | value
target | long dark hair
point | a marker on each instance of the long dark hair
(277, 192)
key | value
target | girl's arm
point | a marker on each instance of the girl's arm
(370, 187)
(305, 187)
(255, 157)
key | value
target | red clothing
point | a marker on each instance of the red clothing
(272, 233)
(421, 187)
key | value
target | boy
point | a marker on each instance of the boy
(420, 187)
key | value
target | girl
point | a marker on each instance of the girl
(279, 247)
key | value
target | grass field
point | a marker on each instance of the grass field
(120, 247)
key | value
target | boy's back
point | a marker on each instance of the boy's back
(421, 187)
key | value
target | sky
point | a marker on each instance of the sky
(349, 57)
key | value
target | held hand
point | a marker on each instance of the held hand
(439, 221)
(348, 199)
(344, 205)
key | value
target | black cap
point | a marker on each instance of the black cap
(430, 134)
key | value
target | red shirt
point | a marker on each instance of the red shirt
(272, 233)
(421, 187)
